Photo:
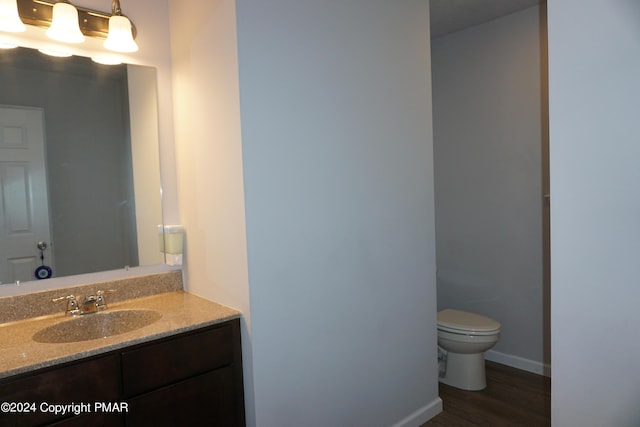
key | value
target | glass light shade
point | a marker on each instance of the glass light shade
(64, 26)
(9, 18)
(120, 37)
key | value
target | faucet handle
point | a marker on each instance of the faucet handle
(101, 304)
(72, 304)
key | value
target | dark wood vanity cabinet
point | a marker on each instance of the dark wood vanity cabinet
(201, 380)
(31, 396)
(193, 377)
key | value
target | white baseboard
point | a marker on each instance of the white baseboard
(422, 415)
(519, 363)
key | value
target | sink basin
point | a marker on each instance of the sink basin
(94, 326)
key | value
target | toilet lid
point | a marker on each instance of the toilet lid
(456, 320)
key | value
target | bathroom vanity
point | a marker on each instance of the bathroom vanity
(181, 369)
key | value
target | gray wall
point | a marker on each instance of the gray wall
(337, 158)
(88, 156)
(594, 64)
(332, 169)
(489, 134)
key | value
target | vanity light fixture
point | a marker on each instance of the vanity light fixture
(9, 17)
(67, 23)
(64, 24)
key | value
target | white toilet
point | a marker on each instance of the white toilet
(462, 340)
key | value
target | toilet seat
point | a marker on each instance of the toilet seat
(464, 323)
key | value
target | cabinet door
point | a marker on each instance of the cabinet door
(82, 382)
(207, 399)
(155, 365)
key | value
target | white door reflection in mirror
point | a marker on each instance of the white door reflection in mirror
(24, 210)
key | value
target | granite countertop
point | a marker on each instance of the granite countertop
(180, 312)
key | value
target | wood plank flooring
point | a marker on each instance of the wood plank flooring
(512, 398)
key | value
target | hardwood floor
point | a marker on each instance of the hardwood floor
(512, 398)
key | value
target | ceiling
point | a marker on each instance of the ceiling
(448, 16)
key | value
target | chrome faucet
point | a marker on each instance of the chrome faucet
(91, 304)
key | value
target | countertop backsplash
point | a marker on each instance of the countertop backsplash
(35, 304)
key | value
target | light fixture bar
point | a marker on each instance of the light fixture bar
(93, 23)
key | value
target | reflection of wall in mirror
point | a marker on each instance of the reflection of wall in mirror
(143, 108)
(88, 158)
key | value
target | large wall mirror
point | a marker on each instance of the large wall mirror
(79, 166)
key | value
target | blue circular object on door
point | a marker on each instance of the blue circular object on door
(43, 272)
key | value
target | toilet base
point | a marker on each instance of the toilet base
(465, 371)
